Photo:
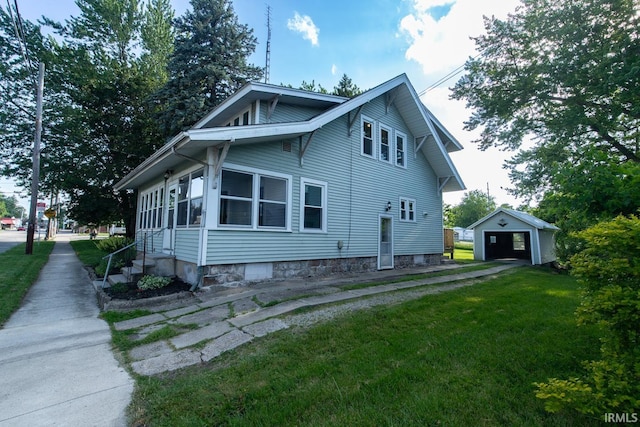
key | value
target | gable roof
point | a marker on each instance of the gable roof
(522, 216)
(432, 138)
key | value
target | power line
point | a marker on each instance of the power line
(18, 27)
(450, 75)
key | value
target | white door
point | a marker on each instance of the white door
(385, 243)
(169, 238)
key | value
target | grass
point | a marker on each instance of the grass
(87, 252)
(421, 276)
(463, 252)
(17, 273)
(466, 357)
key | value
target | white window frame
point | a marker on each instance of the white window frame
(402, 135)
(409, 214)
(240, 118)
(188, 199)
(151, 208)
(390, 144)
(325, 208)
(255, 199)
(364, 119)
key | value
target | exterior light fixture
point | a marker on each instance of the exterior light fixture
(168, 174)
(388, 208)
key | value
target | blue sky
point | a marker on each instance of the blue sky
(371, 41)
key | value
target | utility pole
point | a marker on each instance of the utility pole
(36, 162)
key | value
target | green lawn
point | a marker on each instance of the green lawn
(17, 273)
(87, 252)
(463, 251)
(466, 357)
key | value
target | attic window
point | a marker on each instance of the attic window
(241, 119)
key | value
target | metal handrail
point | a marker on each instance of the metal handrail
(135, 243)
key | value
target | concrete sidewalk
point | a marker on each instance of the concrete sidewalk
(229, 317)
(56, 364)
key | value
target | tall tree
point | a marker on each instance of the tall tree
(563, 77)
(209, 63)
(346, 88)
(101, 69)
(474, 205)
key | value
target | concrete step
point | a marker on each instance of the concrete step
(148, 263)
(117, 278)
(157, 263)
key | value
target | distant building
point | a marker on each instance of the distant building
(506, 233)
(463, 234)
(9, 223)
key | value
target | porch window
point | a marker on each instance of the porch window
(385, 144)
(367, 137)
(401, 147)
(190, 195)
(313, 206)
(236, 198)
(255, 199)
(273, 202)
(150, 208)
(407, 210)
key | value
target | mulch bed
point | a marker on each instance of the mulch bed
(133, 293)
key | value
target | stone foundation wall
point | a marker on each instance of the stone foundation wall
(230, 274)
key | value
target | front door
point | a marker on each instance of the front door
(169, 238)
(385, 243)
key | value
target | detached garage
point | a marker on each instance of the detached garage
(509, 234)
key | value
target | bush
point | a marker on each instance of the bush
(121, 259)
(609, 269)
(153, 282)
(112, 244)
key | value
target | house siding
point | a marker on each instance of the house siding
(358, 191)
(186, 244)
(153, 240)
(547, 246)
(285, 113)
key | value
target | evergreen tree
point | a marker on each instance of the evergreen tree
(208, 64)
(346, 88)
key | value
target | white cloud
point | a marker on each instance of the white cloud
(305, 26)
(439, 46)
(334, 69)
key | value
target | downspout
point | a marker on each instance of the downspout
(202, 233)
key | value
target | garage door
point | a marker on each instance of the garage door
(507, 244)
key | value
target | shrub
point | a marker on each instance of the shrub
(153, 282)
(609, 269)
(119, 260)
(112, 244)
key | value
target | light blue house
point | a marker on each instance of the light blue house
(279, 182)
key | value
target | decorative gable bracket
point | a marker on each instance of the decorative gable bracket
(418, 144)
(216, 158)
(303, 149)
(272, 106)
(442, 181)
(389, 98)
(350, 121)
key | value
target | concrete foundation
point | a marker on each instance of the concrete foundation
(230, 274)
